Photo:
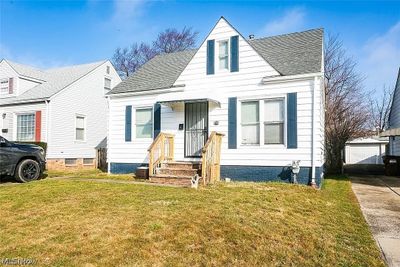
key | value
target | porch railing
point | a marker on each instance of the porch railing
(211, 157)
(162, 149)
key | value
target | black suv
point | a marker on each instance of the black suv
(25, 162)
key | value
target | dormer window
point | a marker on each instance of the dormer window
(4, 86)
(223, 55)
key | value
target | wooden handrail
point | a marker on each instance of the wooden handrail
(160, 150)
(211, 157)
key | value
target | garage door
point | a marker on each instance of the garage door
(364, 154)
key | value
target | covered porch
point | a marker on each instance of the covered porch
(199, 158)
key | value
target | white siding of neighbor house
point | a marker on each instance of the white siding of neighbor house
(24, 84)
(21, 84)
(10, 120)
(245, 84)
(83, 97)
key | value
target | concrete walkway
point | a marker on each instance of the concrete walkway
(379, 198)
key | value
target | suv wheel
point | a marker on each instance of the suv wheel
(27, 170)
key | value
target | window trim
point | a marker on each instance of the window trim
(8, 86)
(135, 123)
(84, 129)
(217, 58)
(16, 125)
(276, 122)
(261, 100)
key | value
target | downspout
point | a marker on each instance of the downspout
(313, 139)
(47, 120)
(108, 99)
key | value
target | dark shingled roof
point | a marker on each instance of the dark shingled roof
(160, 72)
(289, 54)
(294, 53)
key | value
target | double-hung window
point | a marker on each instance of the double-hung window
(263, 121)
(26, 127)
(144, 123)
(80, 128)
(223, 55)
(273, 121)
(250, 123)
(4, 86)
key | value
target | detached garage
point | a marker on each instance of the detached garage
(365, 150)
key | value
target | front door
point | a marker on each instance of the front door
(196, 128)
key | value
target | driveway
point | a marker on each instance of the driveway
(379, 198)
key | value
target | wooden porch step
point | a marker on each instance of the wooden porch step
(181, 165)
(177, 171)
(171, 179)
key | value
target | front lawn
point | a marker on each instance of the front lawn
(88, 174)
(76, 223)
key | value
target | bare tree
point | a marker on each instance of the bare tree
(128, 60)
(171, 40)
(346, 104)
(380, 109)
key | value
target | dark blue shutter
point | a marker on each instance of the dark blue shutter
(157, 119)
(292, 120)
(210, 56)
(232, 123)
(128, 123)
(235, 53)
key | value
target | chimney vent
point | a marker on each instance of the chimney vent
(251, 36)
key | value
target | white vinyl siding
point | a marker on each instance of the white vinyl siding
(144, 123)
(84, 97)
(26, 127)
(80, 128)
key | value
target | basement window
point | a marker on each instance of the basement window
(87, 161)
(70, 162)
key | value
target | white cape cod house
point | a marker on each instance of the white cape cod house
(63, 107)
(263, 96)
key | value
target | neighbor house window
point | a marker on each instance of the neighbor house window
(80, 128)
(108, 69)
(4, 87)
(107, 84)
(26, 127)
(144, 123)
(273, 121)
(223, 55)
(250, 123)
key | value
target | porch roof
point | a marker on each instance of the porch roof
(187, 97)
(391, 132)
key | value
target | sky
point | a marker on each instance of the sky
(49, 34)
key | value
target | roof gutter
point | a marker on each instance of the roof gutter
(34, 101)
(176, 88)
(290, 78)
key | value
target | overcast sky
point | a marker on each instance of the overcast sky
(56, 33)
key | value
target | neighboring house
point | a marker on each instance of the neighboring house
(265, 95)
(366, 150)
(393, 132)
(64, 107)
